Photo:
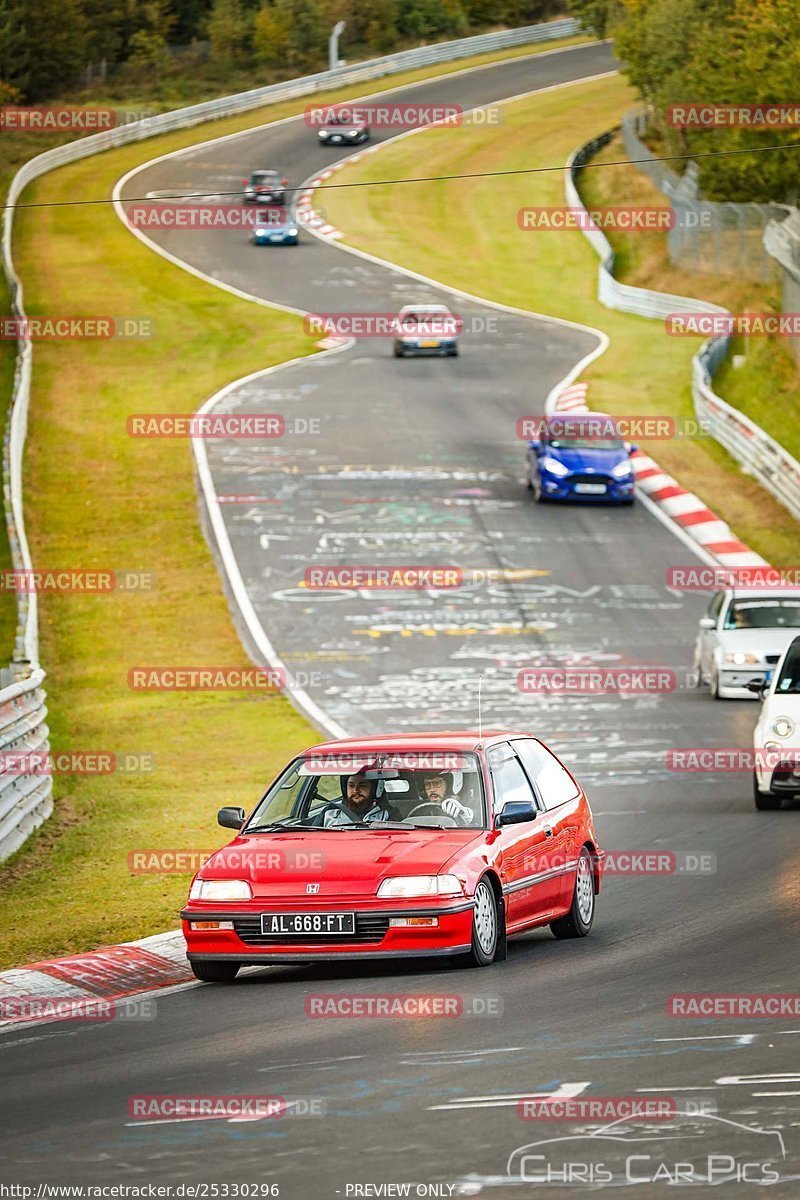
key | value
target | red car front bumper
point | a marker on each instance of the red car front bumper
(374, 937)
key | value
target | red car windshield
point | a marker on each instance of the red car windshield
(411, 789)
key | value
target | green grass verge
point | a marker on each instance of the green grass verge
(465, 233)
(98, 498)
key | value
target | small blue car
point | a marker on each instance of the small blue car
(579, 456)
(275, 227)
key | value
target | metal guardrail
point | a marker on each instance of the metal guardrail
(622, 296)
(26, 801)
(758, 453)
(26, 797)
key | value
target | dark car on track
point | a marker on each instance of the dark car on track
(265, 187)
(341, 130)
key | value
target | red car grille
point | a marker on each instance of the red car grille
(368, 929)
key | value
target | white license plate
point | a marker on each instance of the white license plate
(299, 924)
(590, 489)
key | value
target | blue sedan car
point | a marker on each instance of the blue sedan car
(275, 227)
(579, 457)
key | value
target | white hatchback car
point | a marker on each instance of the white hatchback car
(776, 738)
(742, 636)
(426, 329)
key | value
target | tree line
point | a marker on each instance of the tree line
(46, 45)
(720, 52)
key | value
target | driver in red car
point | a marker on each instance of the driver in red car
(358, 803)
(438, 788)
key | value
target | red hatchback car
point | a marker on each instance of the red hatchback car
(440, 844)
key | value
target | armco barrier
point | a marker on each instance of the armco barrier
(759, 454)
(610, 292)
(25, 799)
(30, 799)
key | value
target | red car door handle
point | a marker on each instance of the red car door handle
(548, 831)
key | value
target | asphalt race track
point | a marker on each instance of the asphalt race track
(417, 462)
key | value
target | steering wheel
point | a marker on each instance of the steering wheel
(435, 806)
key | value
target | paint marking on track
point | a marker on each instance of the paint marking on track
(564, 1091)
(742, 1039)
(318, 1062)
(428, 1053)
(708, 1087)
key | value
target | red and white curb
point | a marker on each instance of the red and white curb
(685, 509)
(107, 974)
(304, 209)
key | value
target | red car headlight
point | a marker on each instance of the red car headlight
(220, 889)
(420, 885)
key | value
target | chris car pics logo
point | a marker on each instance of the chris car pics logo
(692, 1149)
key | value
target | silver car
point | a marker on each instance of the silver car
(742, 636)
(426, 329)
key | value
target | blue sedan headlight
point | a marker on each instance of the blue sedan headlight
(548, 463)
(623, 469)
